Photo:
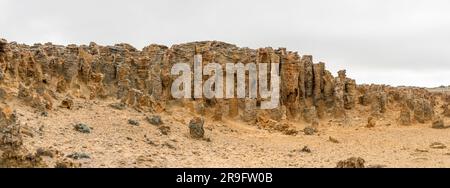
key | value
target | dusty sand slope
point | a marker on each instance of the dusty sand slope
(115, 143)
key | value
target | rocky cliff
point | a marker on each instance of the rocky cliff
(47, 77)
(43, 75)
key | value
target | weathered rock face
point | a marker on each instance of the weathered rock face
(446, 111)
(350, 94)
(290, 76)
(423, 110)
(339, 94)
(307, 62)
(10, 136)
(13, 154)
(405, 116)
(44, 74)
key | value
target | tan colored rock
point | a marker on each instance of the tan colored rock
(10, 136)
(307, 61)
(438, 123)
(423, 111)
(328, 89)
(371, 122)
(353, 162)
(24, 92)
(339, 93)
(290, 72)
(319, 72)
(61, 86)
(446, 111)
(350, 94)
(67, 103)
(219, 109)
(196, 127)
(249, 114)
(142, 80)
(405, 116)
(233, 107)
(310, 114)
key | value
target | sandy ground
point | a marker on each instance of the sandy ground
(115, 143)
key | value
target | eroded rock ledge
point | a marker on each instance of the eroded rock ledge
(42, 75)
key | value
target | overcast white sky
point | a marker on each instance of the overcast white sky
(397, 42)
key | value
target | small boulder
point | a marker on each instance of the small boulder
(306, 149)
(83, 128)
(45, 152)
(67, 164)
(77, 155)
(44, 114)
(309, 130)
(196, 127)
(334, 140)
(165, 130)
(155, 120)
(437, 145)
(353, 162)
(133, 122)
(67, 103)
(438, 124)
(371, 122)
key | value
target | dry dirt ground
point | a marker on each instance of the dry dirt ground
(113, 142)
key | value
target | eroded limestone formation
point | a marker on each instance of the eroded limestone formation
(43, 75)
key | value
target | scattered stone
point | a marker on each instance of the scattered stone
(45, 152)
(207, 139)
(44, 114)
(83, 128)
(148, 141)
(334, 140)
(155, 120)
(438, 124)
(285, 128)
(437, 145)
(353, 162)
(67, 164)
(67, 103)
(377, 166)
(133, 122)
(264, 122)
(118, 106)
(306, 149)
(21, 159)
(421, 150)
(77, 155)
(165, 130)
(371, 122)
(309, 130)
(170, 146)
(27, 131)
(196, 127)
(291, 132)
